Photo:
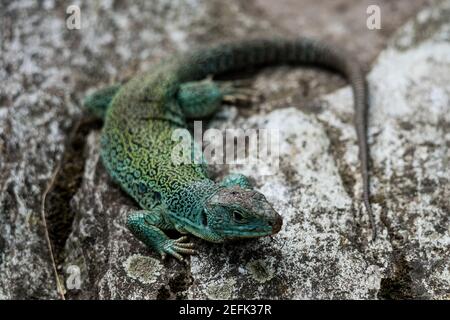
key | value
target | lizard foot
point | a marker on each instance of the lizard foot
(176, 247)
(146, 226)
(237, 93)
(241, 97)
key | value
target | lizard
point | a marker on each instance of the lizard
(141, 115)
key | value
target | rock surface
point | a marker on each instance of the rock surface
(323, 249)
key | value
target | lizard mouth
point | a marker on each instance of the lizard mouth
(276, 226)
(248, 233)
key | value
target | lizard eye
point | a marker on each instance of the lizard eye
(204, 218)
(237, 216)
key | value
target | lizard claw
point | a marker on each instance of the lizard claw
(240, 95)
(177, 247)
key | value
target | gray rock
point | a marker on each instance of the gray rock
(46, 70)
(323, 250)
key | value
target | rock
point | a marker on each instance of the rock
(317, 19)
(46, 70)
(323, 250)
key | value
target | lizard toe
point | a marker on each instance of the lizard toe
(188, 245)
(175, 254)
(178, 247)
(182, 239)
(185, 250)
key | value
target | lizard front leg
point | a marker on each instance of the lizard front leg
(147, 225)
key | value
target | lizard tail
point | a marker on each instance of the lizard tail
(263, 52)
(99, 102)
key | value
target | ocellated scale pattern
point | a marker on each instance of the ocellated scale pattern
(136, 143)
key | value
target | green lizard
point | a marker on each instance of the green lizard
(136, 145)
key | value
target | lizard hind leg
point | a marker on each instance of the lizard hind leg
(98, 102)
(203, 98)
(200, 99)
(147, 226)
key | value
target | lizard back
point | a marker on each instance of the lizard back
(136, 144)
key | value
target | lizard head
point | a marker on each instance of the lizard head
(235, 213)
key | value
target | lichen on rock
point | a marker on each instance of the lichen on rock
(323, 250)
(142, 268)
